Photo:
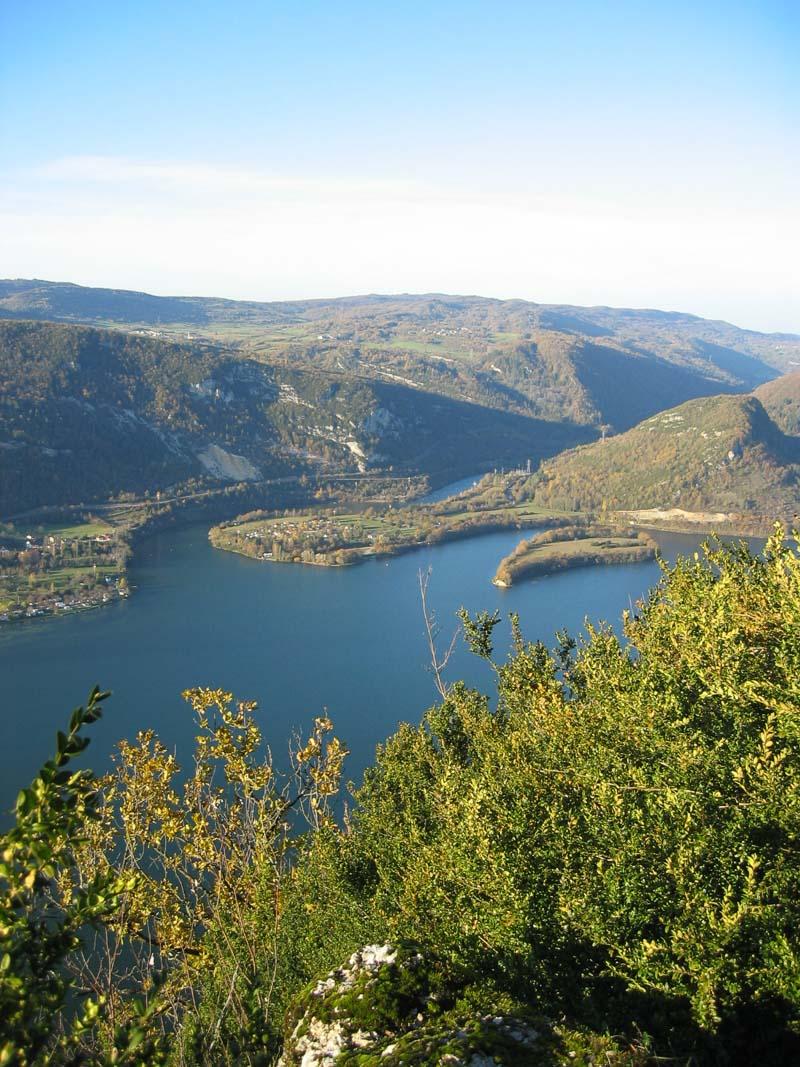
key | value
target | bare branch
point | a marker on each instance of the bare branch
(432, 631)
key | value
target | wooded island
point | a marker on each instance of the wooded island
(574, 546)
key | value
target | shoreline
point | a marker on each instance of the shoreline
(571, 548)
(48, 614)
(699, 529)
(394, 550)
(183, 517)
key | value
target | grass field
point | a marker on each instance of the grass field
(395, 522)
(424, 348)
(79, 530)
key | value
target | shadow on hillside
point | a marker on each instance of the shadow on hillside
(750, 370)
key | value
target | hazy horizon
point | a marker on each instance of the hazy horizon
(597, 155)
(327, 298)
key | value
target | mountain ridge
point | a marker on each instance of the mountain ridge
(425, 383)
(552, 362)
(23, 285)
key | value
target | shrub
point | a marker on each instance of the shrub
(618, 838)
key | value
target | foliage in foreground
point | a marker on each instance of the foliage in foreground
(613, 846)
(118, 894)
(41, 927)
(617, 840)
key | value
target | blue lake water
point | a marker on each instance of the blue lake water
(296, 639)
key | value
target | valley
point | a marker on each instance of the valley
(307, 432)
(200, 615)
(393, 675)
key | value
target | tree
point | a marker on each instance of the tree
(167, 877)
(45, 910)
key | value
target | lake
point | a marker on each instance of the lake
(297, 639)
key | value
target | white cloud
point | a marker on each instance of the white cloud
(205, 178)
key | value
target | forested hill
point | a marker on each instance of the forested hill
(717, 454)
(781, 398)
(86, 413)
(593, 366)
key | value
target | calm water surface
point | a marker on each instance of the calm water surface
(296, 639)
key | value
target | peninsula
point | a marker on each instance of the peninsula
(333, 537)
(574, 546)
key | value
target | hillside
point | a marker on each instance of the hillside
(781, 399)
(87, 413)
(546, 361)
(720, 454)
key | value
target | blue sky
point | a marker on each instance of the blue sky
(585, 152)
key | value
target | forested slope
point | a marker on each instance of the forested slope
(781, 398)
(552, 362)
(717, 454)
(86, 413)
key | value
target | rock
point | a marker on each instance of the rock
(223, 464)
(390, 1004)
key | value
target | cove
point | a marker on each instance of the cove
(299, 640)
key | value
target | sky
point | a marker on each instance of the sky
(635, 154)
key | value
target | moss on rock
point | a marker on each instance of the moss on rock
(392, 1006)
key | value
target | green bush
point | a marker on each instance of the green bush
(617, 839)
